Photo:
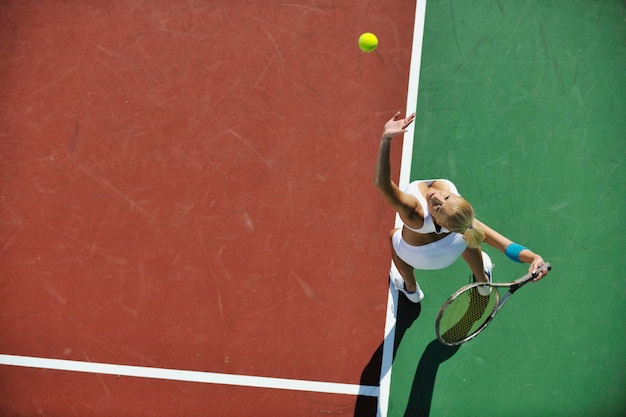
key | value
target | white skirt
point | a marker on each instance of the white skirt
(436, 255)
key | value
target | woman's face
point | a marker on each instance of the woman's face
(440, 204)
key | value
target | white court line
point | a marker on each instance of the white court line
(405, 173)
(189, 376)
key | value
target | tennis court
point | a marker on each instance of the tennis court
(189, 225)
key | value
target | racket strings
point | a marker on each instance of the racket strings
(466, 315)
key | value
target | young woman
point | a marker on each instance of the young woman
(438, 225)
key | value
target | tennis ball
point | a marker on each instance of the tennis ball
(368, 42)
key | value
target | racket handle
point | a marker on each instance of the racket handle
(545, 267)
(518, 283)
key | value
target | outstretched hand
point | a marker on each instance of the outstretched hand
(397, 125)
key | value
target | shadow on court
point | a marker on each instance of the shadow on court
(424, 382)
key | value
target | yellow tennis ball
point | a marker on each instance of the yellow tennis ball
(368, 42)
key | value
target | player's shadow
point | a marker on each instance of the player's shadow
(423, 384)
(407, 314)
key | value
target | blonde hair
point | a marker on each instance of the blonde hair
(460, 219)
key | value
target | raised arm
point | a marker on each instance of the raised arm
(402, 203)
(512, 250)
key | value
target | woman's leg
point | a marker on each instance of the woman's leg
(406, 270)
(476, 259)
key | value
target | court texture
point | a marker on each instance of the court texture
(188, 223)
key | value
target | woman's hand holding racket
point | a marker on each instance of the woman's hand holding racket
(536, 267)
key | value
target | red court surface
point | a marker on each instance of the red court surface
(188, 185)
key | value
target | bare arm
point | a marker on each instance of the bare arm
(500, 242)
(402, 203)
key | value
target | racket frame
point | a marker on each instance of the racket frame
(512, 286)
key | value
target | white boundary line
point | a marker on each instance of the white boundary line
(189, 376)
(405, 174)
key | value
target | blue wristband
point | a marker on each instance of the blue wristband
(513, 250)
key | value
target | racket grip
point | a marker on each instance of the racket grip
(545, 267)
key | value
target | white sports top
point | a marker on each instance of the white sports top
(429, 224)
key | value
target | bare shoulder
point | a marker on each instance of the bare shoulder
(441, 185)
(423, 188)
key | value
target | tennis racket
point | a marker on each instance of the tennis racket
(467, 313)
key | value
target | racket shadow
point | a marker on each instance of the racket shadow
(421, 396)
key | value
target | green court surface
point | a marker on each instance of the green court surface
(523, 105)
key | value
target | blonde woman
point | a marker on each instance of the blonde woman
(438, 225)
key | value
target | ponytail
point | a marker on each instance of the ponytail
(474, 236)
